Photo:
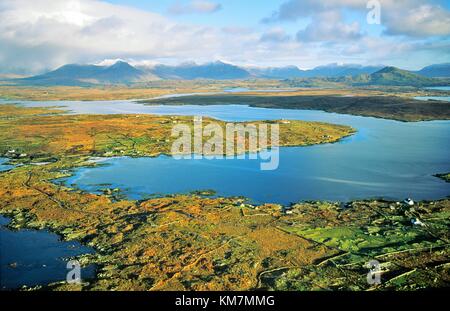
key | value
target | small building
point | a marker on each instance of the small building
(417, 222)
(409, 202)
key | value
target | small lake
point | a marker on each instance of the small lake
(32, 257)
(436, 88)
(3, 166)
(441, 98)
(439, 88)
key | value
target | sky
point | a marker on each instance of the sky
(40, 35)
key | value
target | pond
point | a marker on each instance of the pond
(435, 88)
(3, 166)
(441, 98)
(439, 88)
(35, 257)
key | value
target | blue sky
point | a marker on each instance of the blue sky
(243, 13)
(42, 34)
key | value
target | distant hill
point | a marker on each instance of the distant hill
(436, 71)
(124, 73)
(74, 74)
(288, 72)
(387, 76)
(335, 70)
(191, 71)
(395, 76)
(327, 71)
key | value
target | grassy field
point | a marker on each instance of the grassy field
(40, 132)
(165, 87)
(135, 91)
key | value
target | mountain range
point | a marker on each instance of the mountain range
(392, 76)
(124, 73)
(191, 71)
(328, 71)
(74, 74)
(436, 71)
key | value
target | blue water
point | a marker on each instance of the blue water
(385, 158)
(37, 256)
(441, 98)
(439, 88)
(436, 88)
(3, 166)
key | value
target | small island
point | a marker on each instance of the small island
(445, 177)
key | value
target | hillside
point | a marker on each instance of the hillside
(335, 70)
(395, 76)
(436, 71)
(322, 76)
(74, 74)
(191, 71)
(327, 71)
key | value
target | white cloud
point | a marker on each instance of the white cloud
(43, 34)
(328, 26)
(295, 9)
(236, 30)
(276, 34)
(195, 6)
(415, 18)
(421, 21)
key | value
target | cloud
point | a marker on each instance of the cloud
(421, 21)
(293, 10)
(329, 27)
(275, 35)
(235, 30)
(413, 18)
(195, 6)
(39, 35)
(44, 34)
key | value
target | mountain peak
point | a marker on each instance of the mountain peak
(436, 70)
(389, 69)
(120, 64)
(219, 62)
(395, 76)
